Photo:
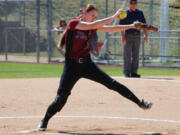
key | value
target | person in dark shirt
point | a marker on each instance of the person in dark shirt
(131, 39)
(76, 39)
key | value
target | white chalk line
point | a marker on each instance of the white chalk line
(59, 133)
(95, 117)
(70, 133)
(149, 79)
(87, 117)
(26, 131)
(139, 132)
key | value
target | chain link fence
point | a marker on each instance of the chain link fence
(27, 35)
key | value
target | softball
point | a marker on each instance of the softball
(123, 15)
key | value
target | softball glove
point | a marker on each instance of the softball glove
(143, 26)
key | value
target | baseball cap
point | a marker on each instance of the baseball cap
(132, 1)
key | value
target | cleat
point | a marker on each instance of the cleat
(135, 75)
(42, 126)
(127, 75)
(145, 105)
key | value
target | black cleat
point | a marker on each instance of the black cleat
(145, 105)
(135, 75)
(43, 125)
(127, 75)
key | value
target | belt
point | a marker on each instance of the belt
(81, 60)
(133, 32)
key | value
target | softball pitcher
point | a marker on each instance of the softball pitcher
(78, 64)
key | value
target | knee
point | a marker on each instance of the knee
(113, 85)
(59, 102)
(60, 99)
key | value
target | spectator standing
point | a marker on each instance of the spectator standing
(61, 27)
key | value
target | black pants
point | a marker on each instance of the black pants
(73, 72)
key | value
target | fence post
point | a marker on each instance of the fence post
(24, 31)
(81, 5)
(164, 44)
(49, 27)
(6, 31)
(107, 35)
(179, 46)
(115, 34)
(24, 41)
(167, 27)
(143, 51)
(38, 29)
(151, 22)
(20, 11)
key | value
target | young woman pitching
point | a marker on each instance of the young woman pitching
(78, 64)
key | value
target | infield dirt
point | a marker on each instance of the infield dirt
(106, 112)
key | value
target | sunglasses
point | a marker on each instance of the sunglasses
(133, 3)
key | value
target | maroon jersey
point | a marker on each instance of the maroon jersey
(81, 40)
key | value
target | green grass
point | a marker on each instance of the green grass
(22, 70)
(145, 72)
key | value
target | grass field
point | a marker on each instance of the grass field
(23, 70)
